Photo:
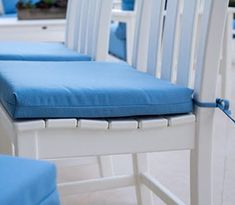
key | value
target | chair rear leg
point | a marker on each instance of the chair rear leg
(105, 166)
(140, 165)
(201, 161)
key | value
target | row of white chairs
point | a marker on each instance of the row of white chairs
(168, 45)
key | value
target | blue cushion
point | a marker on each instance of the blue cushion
(8, 16)
(27, 182)
(35, 51)
(9, 6)
(127, 5)
(117, 47)
(86, 90)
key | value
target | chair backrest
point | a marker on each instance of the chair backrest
(176, 37)
(88, 27)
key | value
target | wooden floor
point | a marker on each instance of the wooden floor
(172, 169)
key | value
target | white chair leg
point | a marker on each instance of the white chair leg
(140, 165)
(201, 160)
(105, 166)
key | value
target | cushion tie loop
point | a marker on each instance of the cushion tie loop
(220, 103)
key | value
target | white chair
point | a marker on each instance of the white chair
(87, 32)
(50, 138)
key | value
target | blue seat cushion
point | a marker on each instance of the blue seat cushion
(27, 182)
(117, 47)
(127, 5)
(86, 90)
(37, 51)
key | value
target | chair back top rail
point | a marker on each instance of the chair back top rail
(174, 37)
(88, 24)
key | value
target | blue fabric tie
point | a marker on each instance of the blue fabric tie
(222, 104)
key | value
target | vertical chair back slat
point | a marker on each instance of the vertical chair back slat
(71, 17)
(78, 25)
(93, 41)
(81, 25)
(102, 40)
(140, 55)
(155, 36)
(94, 8)
(84, 26)
(169, 36)
(92, 32)
(188, 31)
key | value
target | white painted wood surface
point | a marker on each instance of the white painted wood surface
(162, 192)
(227, 56)
(140, 165)
(169, 37)
(36, 30)
(94, 185)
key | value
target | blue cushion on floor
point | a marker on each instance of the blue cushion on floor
(86, 90)
(27, 182)
(117, 47)
(35, 51)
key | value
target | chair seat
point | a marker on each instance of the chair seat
(117, 46)
(27, 182)
(86, 90)
(35, 51)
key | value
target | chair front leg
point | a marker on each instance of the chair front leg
(201, 160)
(140, 165)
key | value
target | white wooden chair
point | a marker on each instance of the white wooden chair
(87, 32)
(50, 138)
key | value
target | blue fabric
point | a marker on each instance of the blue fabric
(35, 51)
(8, 16)
(27, 182)
(127, 5)
(220, 103)
(9, 6)
(233, 24)
(117, 47)
(86, 90)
